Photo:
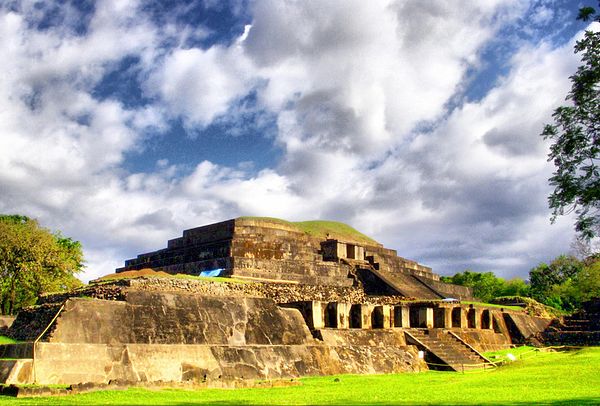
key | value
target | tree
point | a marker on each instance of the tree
(33, 261)
(575, 134)
(515, 287)
(486, 285)
(554, 284)
(588, 281)
(583, 248)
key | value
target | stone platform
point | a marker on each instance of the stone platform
(149, 335)
(176, 336)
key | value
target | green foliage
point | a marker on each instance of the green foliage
(487, 286)
(334, 229)
(566, 282)
(575, 136)
(33, 261)
(535, 378)
(588, 282)
(515, 287)
(553, 284)
(499, 306)
(7, 340)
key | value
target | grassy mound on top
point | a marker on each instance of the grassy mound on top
(150, 273)
(322, 229)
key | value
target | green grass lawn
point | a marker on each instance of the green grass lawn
(509, 307)
(7, 340)
(535, 378)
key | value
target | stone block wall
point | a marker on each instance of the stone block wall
(176, 318)
(59, 363)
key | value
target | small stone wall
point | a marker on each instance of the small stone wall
(279, 292)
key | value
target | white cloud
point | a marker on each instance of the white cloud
(349, 84)
(360, 75)
(200, 84)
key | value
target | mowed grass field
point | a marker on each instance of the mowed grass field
(571, 377)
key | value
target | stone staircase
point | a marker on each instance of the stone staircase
(16, 363)
(405, 284)
(579, 329)
(447, 349)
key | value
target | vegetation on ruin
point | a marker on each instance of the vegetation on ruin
(566, 282)
(7, 340)
(535, 377)
(508, 307)
(149, 273)
(33, 261)
(322, 229)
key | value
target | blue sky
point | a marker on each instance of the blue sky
(124, 122)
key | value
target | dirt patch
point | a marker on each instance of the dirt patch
(147, 272)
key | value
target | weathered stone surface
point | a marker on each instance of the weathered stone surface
(522, 326)
(19, 350)
(153, 336)
(279, 292)
(60, 363)
(16, 371)
(179, 318)
(484, 340)
(32, 321)
(261, 249)
(580, 329)
(372, 338)
(6, 321)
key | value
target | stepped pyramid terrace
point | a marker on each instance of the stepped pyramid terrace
(258, 298)
(314, 253)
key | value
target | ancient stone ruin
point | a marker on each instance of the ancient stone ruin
(276, 251)
(293, 302)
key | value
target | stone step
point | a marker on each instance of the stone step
(16, 371)
(449, 349)
(16, 351)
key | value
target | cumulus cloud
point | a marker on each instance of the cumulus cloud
(199, 85)
(370, 118)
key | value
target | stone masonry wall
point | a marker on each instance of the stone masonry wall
(176, 336)
(279, 292)
(177, 318)
(59, 363)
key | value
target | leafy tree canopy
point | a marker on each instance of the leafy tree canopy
(575, 137)
(566, 282)
(487, 286)
(33, 260)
